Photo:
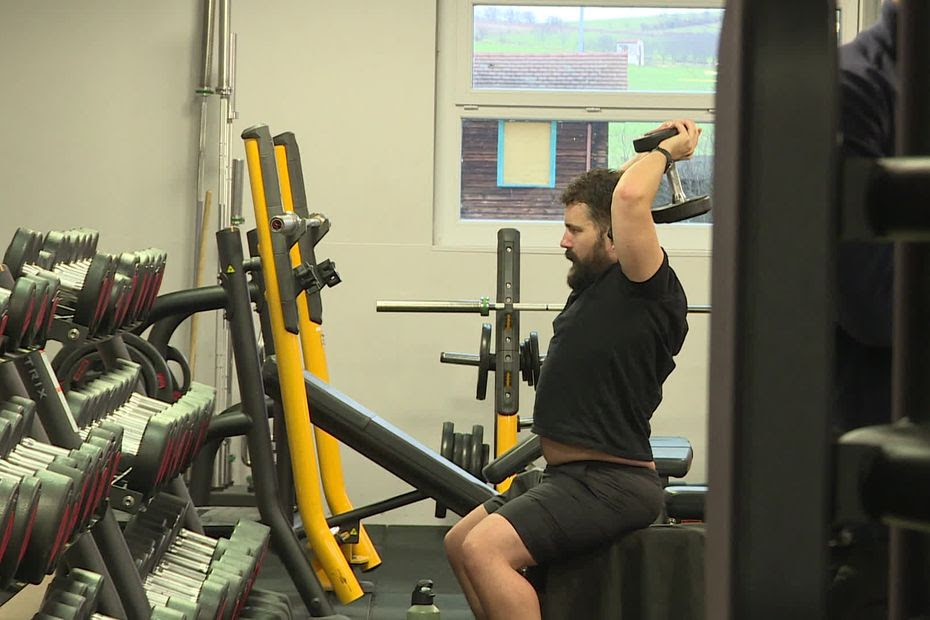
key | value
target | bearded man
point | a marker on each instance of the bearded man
(612, 348)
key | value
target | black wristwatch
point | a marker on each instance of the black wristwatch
(668, 157)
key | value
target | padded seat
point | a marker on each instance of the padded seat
(656, 573)
(672, 455)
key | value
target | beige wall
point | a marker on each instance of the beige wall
(100, 131)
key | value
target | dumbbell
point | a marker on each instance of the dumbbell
(159, 438)
(72, 595)
(9, 497)
(20, 312)
(89, 460)
(25, 511)
(146, 536)
(90, 299)
(182, 423)
(174, 585)
(47, 291)
(44, 530)
(681, 207)
(237, 560)
(4, 316)
(23, 249)
(26, 463)
(84, 465)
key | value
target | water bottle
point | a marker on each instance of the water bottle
(421, 602)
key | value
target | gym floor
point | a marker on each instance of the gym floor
(409, 553)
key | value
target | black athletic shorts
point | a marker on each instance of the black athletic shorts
(580, 505)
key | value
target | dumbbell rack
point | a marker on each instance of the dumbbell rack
(60, 453)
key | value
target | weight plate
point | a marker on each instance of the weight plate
(688, 209)
(484, 361)
(475, 451)
(533, 355)
(459, 450)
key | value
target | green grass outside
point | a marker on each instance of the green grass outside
(677, 78)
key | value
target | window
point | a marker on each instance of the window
(514, 78)
(530, 95)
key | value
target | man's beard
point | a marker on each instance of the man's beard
(583, 273)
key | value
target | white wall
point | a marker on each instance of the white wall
(101, 127)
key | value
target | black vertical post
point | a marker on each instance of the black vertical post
(282, 451)
(126, 579)
(909, 593)
(507, 354)
(251, 389)
(771, 338)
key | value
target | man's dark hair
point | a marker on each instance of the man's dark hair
(595, 188)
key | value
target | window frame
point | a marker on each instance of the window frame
(502, 144)
(456, 99)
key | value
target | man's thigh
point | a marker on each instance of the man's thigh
(571, 511)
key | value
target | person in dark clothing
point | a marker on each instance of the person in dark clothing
(612, 348)
(865, 275)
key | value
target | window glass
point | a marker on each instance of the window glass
(610, 49)
(579, 146)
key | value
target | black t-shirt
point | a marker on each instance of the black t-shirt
(611, 350)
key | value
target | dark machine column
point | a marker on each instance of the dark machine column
(771, 337)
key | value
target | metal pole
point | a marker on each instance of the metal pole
(909, 551)
(123, 570)
(482, 306)
(221, 359)
(204, 91)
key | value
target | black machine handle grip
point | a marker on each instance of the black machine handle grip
(651, 140)
(513, 461)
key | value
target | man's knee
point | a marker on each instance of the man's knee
(474, 552)
(493, 540)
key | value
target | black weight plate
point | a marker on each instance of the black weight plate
(475, 450)
(651, 140)
(692, 207)
(175, 356)
(535, 363)
(459, 449)
(445, 447)
(526, 372)
(484, 361)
